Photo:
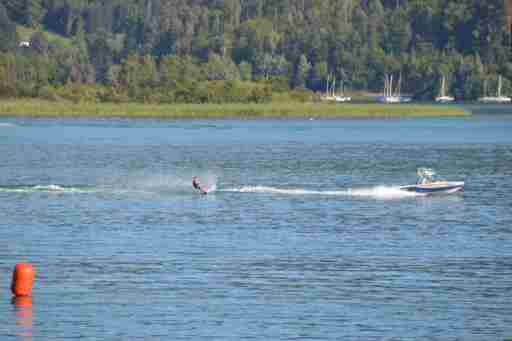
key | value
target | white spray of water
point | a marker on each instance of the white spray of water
(383, 192)
(139, 185)
(183, 183)
(210, 181)
(52, 188)
(160, 183)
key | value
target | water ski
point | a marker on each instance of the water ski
(197, 185)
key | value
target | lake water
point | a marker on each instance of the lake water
(305, 235)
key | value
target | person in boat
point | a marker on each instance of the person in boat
(425, 180)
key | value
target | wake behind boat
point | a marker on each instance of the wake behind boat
(428, 183)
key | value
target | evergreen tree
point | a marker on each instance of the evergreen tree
(302, 72)
(8, 35)
(39, 43)
(191, 50)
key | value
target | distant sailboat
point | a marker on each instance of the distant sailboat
(341, 96)
(495, 99)
(387, 93)
(330, 92)
(443, 97)
(390, 96)
(402, 98)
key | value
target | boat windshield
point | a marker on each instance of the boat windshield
(426, 176)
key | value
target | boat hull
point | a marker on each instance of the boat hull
(445, 99)
(500, 99)
(435, 188)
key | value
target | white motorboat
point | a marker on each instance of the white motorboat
(429, 183)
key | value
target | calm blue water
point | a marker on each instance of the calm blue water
(305, 236)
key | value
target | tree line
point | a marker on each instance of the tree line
(248, 50)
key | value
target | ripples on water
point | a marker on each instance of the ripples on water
(305, 235)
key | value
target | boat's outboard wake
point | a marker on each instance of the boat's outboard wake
(126, 186)
(52, 188)
(380, 192)
(383, 192)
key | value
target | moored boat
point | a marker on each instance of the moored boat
(391, 95)
(443, 97)
(499, 98)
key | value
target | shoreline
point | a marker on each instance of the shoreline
(43, 108)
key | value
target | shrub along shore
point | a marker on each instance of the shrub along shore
(43, 108)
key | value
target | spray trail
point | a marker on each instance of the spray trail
(158, 184)
(383, 192)
(52, 188)
(128, 185)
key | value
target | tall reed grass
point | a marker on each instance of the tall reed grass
(41, 108)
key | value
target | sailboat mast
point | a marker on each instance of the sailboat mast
(385, 85)
(399, 87)
(391, 86)
(327, 85)
(386, 94)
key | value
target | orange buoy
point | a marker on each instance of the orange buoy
(22, 302)
(23, 279)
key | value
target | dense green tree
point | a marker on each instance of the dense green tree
(302, 72)
(39, 43)
(7, 75)
(174, 69)
(101, 54)
(197, 50)
(220, 68)
(28, 12)
(8, 35)
(246, 71)
(319, 75)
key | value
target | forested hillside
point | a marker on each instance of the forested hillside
(247, 50)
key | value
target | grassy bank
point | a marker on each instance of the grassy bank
(39, 108)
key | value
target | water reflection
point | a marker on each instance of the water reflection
(24, 317)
